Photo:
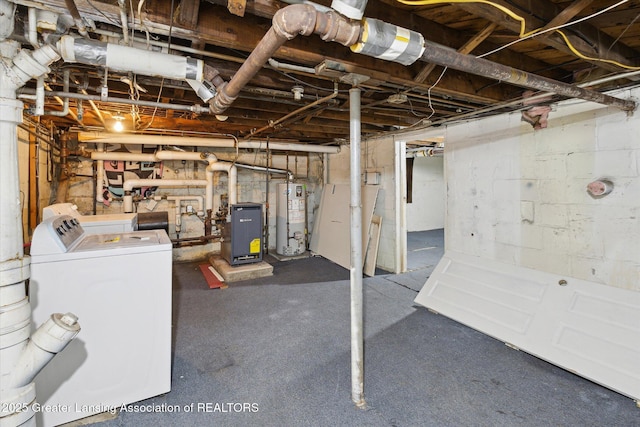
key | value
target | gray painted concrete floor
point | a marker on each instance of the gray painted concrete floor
(280, 348)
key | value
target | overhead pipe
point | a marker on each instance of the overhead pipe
(86, 97)
(288, 22)
(32, 32)
(125, 21)
(273, 124)
(116, 138)
(447, 57)
(65, 103)
(388, 42)
(22, 357)
(75, 14)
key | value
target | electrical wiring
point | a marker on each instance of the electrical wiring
(527, 35)
(588, 58)
(566, 39)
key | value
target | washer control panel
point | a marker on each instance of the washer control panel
(56, 234)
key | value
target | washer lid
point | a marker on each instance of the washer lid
(99, 242)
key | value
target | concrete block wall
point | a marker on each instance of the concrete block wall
(519, 196)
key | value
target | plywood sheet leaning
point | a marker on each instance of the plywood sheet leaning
(332, 229)
(372, 248)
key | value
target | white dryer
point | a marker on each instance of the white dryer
(119, 286)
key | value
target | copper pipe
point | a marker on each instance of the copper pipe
(287, 23)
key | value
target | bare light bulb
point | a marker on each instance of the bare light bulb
(118, 126)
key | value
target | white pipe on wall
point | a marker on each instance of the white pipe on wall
(21, 357)
(113, 138)
(130, 184)
(100, 175)
(231, 169)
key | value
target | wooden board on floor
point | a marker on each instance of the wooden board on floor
(332, 229)
(371, 255)
(211, 276)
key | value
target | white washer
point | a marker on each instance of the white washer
(95, 224)
(119, 286)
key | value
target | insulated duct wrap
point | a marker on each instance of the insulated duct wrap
(125, 59)
(389, 42)
(353, 9)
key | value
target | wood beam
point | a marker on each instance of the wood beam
(187, 15)
(596, 47)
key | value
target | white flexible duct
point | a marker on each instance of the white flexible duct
(113, 138)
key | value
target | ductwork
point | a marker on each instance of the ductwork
(129, 59)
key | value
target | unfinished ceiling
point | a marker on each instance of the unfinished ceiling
(301, 94)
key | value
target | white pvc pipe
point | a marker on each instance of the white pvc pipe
(231, 169)
(32, 34)
(100, 175)
(21, 358)
(47, 341)
(113, 138)
(130, 184)
(179, 199)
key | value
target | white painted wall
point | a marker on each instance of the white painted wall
(376, 156)
(426, 211)
(519, 196)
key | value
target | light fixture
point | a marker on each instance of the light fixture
(221, 117)
(118, 125)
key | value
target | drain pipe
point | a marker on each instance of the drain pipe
(22, 357)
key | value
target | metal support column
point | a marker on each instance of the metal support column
(357, 339)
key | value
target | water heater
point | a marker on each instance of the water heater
(291, 219)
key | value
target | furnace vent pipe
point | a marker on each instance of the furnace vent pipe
(288, 22)
(232, 170)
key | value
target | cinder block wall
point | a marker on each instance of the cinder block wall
(519, 196)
